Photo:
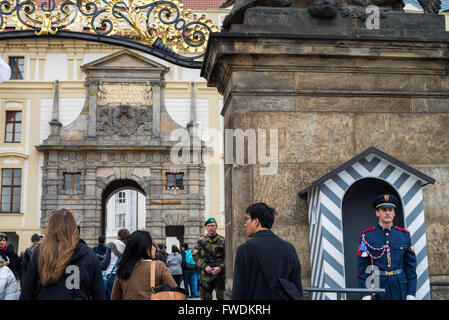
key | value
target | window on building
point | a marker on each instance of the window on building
(72, 181)
(13, 126)
(11, 188)
(175, 181)
(17, 67)
(120, 209)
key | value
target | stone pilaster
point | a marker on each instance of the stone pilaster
(92, 88)
(156, 110)
(55, 124)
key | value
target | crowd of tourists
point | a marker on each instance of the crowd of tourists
(60, 265)
(114, 271)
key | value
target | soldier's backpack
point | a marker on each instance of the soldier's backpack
(190, 263)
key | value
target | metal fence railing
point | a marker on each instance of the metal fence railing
(340, 291)
(440, 284)
(437, 284)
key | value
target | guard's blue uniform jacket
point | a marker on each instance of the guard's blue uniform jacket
(397, 271)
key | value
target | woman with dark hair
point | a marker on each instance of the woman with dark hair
(63, 267)
(174, 261)
(133, 274)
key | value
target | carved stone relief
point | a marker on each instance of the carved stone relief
(123, 121)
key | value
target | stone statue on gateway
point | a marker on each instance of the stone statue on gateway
(325, 9)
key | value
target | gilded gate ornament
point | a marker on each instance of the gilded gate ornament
(164, 24)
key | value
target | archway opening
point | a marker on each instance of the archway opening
(358, 214)
(123, 206)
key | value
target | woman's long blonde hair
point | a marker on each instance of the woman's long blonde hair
(61, 239)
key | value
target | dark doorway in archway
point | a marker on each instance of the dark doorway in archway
(112, 188)
(172, 232)
(358, 214)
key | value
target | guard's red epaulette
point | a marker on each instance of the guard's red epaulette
(401, 229)
(369, 229)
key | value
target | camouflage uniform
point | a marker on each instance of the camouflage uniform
(215, 245)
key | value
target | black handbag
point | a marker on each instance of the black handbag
(281, 289)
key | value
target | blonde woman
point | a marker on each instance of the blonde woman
(63, 267)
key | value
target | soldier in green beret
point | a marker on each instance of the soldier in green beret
(209, 256)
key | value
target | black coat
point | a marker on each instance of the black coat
(91, 286)
(14, 261)
(249, 280)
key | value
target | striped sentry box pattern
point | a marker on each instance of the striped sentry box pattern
(325, 198)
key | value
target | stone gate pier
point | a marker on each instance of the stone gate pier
(332, 89)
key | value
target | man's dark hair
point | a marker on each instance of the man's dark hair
(185, 246)
(35, 238)
(101, 239)
(264, 213)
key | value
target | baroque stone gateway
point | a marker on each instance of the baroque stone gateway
(121, 139)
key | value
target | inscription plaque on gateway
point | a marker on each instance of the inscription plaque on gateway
(117, 94)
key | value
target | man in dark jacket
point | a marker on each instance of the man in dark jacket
(279, 259)
(82, 279)
(35, 239)
(100, 249)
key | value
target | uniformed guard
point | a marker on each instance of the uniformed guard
(209, 256)
(386, 256)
